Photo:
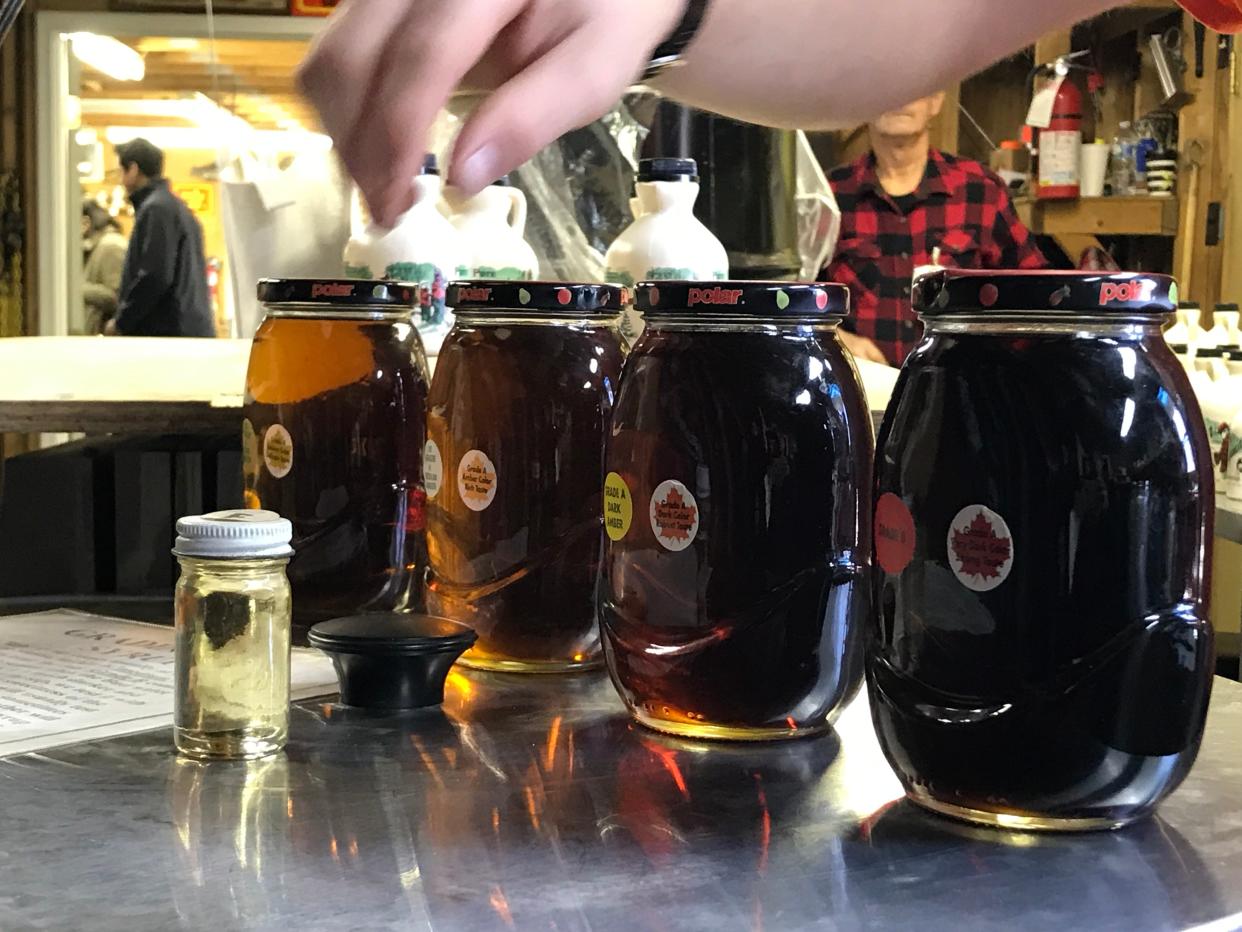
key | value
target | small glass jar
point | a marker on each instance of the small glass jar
(1041, 655)
(232, 607)
(522, 395)
(736, 575)
(332, 439)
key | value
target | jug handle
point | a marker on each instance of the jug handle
(517, 210)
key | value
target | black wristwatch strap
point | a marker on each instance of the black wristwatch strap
(669, 52)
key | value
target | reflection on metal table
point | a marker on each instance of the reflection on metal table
(533, 803)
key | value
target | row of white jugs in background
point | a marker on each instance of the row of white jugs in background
(448, 235)
(1213, 360)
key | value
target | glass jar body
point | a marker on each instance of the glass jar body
(332, 440)
(232, 657)
(1041, 655)
(516, 423)
(735, 586)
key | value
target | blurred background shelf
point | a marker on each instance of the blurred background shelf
(1101, 216)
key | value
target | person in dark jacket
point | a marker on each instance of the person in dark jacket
(164, 283)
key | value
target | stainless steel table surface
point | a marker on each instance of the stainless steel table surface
(532, 803)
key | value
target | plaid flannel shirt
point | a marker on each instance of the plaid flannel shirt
(959, 206)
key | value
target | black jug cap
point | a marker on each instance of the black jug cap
(665, 169)
(1188, 306)
(539, 299)
(956, 292)
(431, 165)
(391, 660)
(1227, 306)
(1210, 352)
(781, 300)
(337, 293)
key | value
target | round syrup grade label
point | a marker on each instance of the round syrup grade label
(278, 451)
(980, 548)
(618, 507)
(674, 515)
(433, 469)
(894, 534)
(476, 480)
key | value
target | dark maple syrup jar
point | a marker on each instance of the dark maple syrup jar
(1041, 655)
(735, 583)
(523, 390)
(332, 439)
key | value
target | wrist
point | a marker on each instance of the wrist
(679, 26)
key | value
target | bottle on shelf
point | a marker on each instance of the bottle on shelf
(422, 248)
(1123, 161)
(666, 242)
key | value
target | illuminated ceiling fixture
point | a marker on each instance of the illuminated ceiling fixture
(111, 56)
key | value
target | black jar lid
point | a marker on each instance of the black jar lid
(1210, 352)
(337, 292)
(544, 299)
(1226, 306)
(667, 169)
(390, 660)
(391, 633)
(1048, 293)
(781, 300)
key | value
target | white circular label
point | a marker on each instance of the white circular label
(980, 548)
(674, 515)
(433, 469)
(476, 480)
(278, 451)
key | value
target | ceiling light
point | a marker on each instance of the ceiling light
(111, 56)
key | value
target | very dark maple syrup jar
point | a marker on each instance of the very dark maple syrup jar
(735, 582)
(523, 390)
(332, 439)
(1041, 655)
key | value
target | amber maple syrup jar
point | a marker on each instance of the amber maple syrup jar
(523, 390)
(332, 440)
(1041, 654)
(735, 583)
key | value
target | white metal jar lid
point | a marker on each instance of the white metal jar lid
(235, 534)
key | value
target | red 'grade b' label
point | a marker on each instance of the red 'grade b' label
(980, 548)
(894, 534)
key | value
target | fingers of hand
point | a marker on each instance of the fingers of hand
(574, 82)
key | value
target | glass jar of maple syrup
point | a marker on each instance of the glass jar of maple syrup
(522, 395)
(332, 440)
(736, 576)
(1041, 653)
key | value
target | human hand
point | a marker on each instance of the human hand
(382, 70)
(862, 347)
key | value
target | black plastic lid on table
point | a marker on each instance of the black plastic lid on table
(1047, 293)
(743, 299)
(542, 299)
(665, 169)
(337, 292)
(391, 660)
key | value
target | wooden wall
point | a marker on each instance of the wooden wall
(17, 179)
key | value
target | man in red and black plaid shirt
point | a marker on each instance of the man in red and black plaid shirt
(903, 205)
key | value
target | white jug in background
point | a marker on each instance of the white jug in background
(423, 247)
(666, 241)
(492, 223)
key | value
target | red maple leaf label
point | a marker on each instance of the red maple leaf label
(980, 550)
(674, 518)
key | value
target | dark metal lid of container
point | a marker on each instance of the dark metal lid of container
(544, 299)
(391, 633)
(337, 293)
(782, 300)
(1226, 306)
(667, 169)
(1048, 293)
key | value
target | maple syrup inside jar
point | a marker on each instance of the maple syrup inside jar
(332, 440)
(736, 574)
(523, 391)
(1041, 655)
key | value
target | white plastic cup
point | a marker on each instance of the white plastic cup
(1093, 168)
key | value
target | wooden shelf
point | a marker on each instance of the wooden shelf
(1101, 216)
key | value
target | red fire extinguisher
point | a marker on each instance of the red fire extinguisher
(1060, 142)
